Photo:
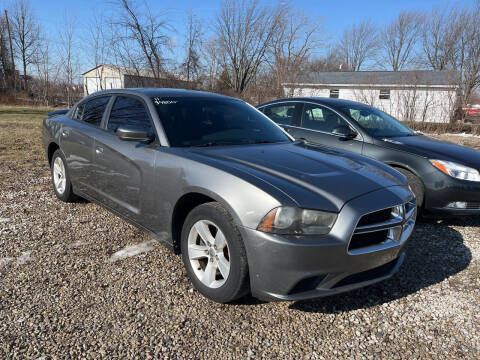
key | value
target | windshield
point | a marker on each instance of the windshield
(376, 122)
(210, 122)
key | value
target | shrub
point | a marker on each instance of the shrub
(444, 128)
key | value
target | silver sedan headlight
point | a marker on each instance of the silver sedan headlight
(288, 220)
(458, 171)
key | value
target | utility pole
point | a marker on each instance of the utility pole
(11, 50)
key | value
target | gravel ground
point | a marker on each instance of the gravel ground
(78, 282)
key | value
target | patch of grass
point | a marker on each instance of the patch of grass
(21, 134)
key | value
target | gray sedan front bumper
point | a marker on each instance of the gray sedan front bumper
(301, 267)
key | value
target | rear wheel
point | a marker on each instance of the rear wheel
(214, 254)
(416, 184)
(60, 178)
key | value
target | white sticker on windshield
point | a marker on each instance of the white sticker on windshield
(159, 101)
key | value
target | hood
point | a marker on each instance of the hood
(305, 172)
(433, 148)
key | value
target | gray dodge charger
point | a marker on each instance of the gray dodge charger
(250, 209)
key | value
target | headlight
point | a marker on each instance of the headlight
(294, 221)
(457, 171)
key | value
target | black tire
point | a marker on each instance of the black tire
(416, 184)
(67, 195)
(236, 284)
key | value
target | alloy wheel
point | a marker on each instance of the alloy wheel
(59, 178)
(208, 253)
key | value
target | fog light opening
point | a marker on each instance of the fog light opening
(457, 205)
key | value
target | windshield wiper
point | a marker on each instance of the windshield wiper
(215, 143)
(261, 142)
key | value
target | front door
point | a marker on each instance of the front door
(124, 168)
(318, 124)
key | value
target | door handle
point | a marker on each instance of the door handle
(99, 150)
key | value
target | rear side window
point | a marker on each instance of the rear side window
(78, 113)
(94, 110)
(129, 111)
(283, 114)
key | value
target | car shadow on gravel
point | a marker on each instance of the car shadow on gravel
(435, 252)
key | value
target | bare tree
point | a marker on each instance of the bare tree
(142, 38)
(7, 63)
(399, 38)
(332, 61)
(451, 40)
(245, 31)
(292, 45)
(42, 64)
(68, 58)
(467, 58)
(358, 44)
(98, 44)
(439, 37)
(193, 42)
(212, 60)
(25, 33)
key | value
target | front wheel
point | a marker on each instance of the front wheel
(416, 184)
(214, 254)
(60, 178)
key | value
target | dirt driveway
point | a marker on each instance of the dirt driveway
(78, 282)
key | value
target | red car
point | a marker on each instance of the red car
(471, 111)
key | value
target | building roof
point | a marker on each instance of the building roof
(124, 70)
(398, 78)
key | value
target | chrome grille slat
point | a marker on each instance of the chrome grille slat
(398, 228)
(379, 226)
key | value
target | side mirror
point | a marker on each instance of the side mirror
(345, 132)
(133, 134)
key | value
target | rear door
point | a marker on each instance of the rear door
(77, 141)
(123, 167)
(317, 125)
(286, 114)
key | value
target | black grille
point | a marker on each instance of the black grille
(359, 241)
(473, 205)
(375, 217)
(307, 284)
(368, 275)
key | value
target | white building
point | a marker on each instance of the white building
(421, 95)
(105, 76)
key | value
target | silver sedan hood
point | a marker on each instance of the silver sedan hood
(306, 173)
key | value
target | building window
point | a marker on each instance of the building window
(334, 93)
(384, 94)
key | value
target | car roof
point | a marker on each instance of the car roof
(161, 92)
(319, 100)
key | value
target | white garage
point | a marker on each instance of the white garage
(104, 77)
(92, 84)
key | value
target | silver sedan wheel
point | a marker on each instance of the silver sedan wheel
(208, 253)
(59, 179)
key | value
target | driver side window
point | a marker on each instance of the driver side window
(316, 117)
(129, 111)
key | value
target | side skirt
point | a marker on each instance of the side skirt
(161, 240)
